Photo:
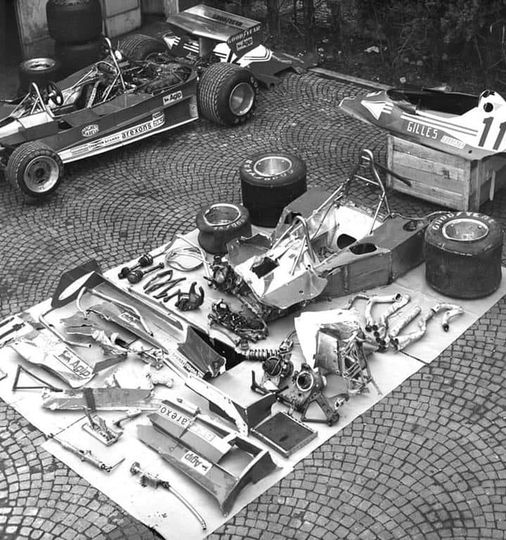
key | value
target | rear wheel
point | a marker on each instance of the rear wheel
(140, 47)
(227, 94)
(35, 169)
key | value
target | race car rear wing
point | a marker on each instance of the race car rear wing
(239, 33)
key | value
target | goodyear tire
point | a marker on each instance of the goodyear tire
(139, 46)
(74, 21)
(463, 255)
(227, 94)
(220, 223)
(270, 181)
(39, 71)
(35, 169)
(74, 56)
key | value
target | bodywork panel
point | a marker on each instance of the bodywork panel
(461, 124)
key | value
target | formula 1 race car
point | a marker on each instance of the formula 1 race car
(469, 126)
(202, 35)
(129, 95)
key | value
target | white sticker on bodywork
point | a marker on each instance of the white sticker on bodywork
(171, 98)
(193, 460)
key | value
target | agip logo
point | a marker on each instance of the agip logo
(89, 131)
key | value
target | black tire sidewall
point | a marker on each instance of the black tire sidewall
(227, 116)
(74, 22)
(463, 269)
(294, 173)
(266, 196)
(17, 164)
(213, 238)
(434, 234)
(75, 56)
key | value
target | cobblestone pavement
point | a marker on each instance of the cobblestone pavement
(425, 462)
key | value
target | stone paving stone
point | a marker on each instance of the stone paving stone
(425, 462)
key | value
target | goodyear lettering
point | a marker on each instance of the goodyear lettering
(420, 129)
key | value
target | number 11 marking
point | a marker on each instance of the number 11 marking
(500, 136)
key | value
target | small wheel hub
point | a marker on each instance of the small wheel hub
(465, 230)
(41, 174)
(40, 64)
(241, 99)
(272, 166)
(221, 214)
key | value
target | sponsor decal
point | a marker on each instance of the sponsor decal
(421, 129)
(171, 98)
(191, 459)
(246, 42)
(74, 364)
(452, 142)
(157, 120)
(89, 131)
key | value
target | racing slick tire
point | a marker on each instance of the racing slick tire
(139, 46)
(463, 255)
(74, 21)
(220, 223)
(227, 94)
(35, 169)
(39, 71)
(74, 56)
(269, 182)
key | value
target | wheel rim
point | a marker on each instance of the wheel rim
(465, 230)
(40, 64)
(241, 99)
(272, 166)
(221, 214)
(41, 174)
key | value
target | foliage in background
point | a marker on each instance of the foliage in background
(434, 40)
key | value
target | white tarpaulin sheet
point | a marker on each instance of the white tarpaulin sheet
(161, 510)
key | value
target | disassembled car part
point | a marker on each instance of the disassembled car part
(98, 428)
(144, 260)
(86, 455)
(100, 399)
(284, 433)
(306, 387)
(325, 245)
(43, 384)
(148, 479)
(197, 446)
(46, 351)
(451, 311)
(188, 301)
(250, 327)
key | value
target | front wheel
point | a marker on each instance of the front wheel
(227, 94)
(35, 169)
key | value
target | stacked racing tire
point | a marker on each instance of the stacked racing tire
(76, 27)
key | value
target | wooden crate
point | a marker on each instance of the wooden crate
(443, 178)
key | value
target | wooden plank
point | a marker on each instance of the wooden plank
(430, 179)
(425, 152)
(431, 167)
(434, 194)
